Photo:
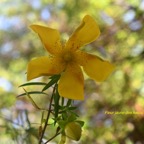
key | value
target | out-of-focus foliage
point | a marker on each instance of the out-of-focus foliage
(121, 41)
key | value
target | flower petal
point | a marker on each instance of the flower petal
(43, 66)
(71, 84)
(49, 37)
(95, 67)
(87, 32)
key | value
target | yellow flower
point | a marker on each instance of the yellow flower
(67, 59)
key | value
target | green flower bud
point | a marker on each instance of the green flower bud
(73, 131)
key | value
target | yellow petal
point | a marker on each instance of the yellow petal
(95, 67)
(71, 84)
(87, 32)
(43, 66)
(49, 37)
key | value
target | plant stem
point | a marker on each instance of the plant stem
(48, 115)
(52, 137)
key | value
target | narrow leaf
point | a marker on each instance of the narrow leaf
(32, 83)
(72, 108)
(42, 117)
(71, 118)
(69, 102)
(80, 122)
(32, 101)
(62, 101)
(32, 92)
(54, 76)
(52, 82)
(56, 104)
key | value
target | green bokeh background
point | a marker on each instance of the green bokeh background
(121, 41)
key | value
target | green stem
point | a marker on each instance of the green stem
(52, 137)
(48, 115)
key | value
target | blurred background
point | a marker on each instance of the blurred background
(122, 42)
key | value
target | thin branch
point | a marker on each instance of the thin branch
(48, 115)
(52, 137)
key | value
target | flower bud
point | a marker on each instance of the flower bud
(73, 131)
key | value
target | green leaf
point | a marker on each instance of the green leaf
(42, 117)
(64, 116)
(69, 102)
(53, 80)
(53, 76)
(32, 92)
(72, 117)
(32, 101)
(62, 123)
(56, 104)
(72, 108)
(32, 83)
(62, 101)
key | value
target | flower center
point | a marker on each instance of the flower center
(67, 57)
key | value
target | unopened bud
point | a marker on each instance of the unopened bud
(73, 131)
